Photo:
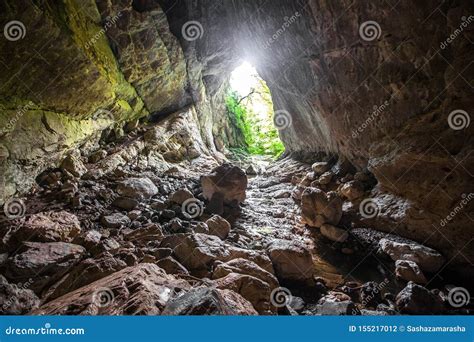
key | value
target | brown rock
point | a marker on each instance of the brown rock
(352, 190)
(209, 301)
(253, 289)
(247, 267)
(139, 290)
(16, 299)
(291, 260)
(417, 300)
(74, 165)
(318, 208)
(44, 262)
(171, 266)
(180, 196)
(48, 227)
(227, 179)
(409, 271)
(218, 226)
(333, 233)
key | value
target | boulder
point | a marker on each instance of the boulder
(197, 252)
(171, 266)
(227, 179)
(209, 301)
(291, 260)
(137, 188)
(318, 208)
(253, 289)
(352, 190)
(320, 167)
(115, 220)
(180, 196)
(334, 233)
(409, 271)
(244, 266)
(336, 304)
(417, 300)
(145, 234)
(125, 203)
(44, 262)
(427, 258)
(326, 178)
(84, 273)
(16, 299)
(74, 165)
(218, 226)
(144, 289)
(47, 227)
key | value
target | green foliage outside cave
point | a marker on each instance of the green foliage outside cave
(257, 128)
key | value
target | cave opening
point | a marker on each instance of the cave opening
(250, 107)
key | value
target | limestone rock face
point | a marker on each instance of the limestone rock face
(227, 179)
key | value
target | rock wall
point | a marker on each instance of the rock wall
(372, 82)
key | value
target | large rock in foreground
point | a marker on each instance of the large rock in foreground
(226, 179)
(140, 290)
(291, 260)
(42, 263)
